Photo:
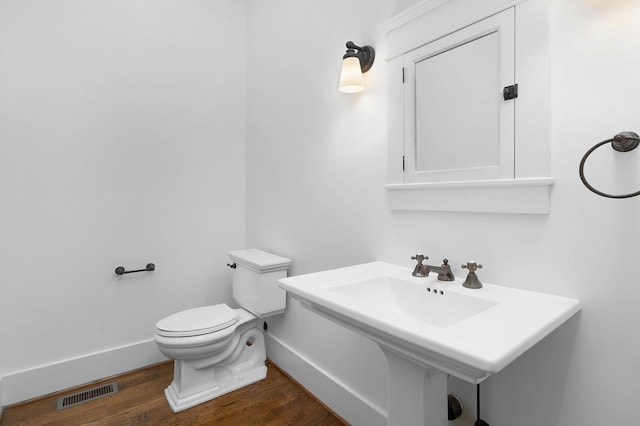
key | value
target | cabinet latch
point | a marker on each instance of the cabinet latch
(510, 92)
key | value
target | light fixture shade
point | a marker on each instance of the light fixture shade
(351, 80)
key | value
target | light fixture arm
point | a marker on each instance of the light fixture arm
(366, 55)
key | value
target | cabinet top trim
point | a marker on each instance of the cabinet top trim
(425, 6)
(413, 12)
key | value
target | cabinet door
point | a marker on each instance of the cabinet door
(457, 125)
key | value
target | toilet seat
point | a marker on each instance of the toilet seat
(197, 321)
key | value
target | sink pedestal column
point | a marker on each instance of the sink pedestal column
(417, 393)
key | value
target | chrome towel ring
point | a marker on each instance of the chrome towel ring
(622, 142)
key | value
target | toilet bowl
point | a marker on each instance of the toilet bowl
(218, 349)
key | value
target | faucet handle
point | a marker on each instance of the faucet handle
(472, 280)
(419, 257)
(472, 266)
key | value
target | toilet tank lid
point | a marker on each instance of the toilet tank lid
(197, 321)
(259, 261)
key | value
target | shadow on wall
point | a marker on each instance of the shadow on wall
(533, 384)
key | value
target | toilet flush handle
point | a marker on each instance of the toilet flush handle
(232, 265)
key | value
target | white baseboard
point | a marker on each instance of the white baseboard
(339, 397)
(42, 380)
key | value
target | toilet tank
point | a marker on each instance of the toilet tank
(255, 281)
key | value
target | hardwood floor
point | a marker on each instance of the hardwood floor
(277, 400)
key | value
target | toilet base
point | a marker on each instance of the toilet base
(227, 385)
(200, 380)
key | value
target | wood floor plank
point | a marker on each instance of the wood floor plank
(140, 399)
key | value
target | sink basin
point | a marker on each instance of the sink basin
(434, 305)
(469, 333)
(428, 328)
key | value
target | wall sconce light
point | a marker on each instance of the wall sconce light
(356, 61)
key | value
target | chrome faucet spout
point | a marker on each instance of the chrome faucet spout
(421, 270)
(444, 271)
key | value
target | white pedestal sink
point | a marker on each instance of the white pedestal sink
(427, 328)
(417, 394)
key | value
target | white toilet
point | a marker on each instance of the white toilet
(218, 349)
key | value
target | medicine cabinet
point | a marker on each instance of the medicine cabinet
(468, 112)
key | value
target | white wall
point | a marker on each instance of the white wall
(122, 142)
(316, 168)
(316, 165)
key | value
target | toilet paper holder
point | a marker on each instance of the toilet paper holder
(121, 271)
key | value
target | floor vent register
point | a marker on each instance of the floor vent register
(87, 395)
